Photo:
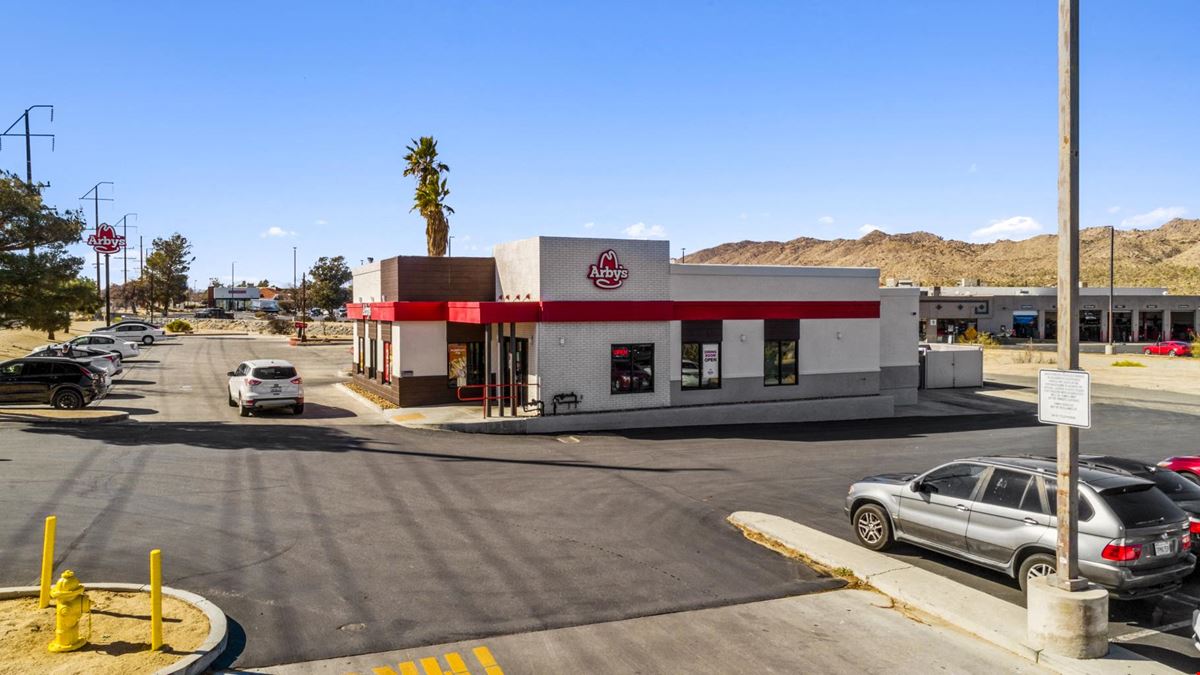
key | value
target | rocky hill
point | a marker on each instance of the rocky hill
(1168, 256)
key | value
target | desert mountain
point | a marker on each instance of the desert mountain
(1168, 256)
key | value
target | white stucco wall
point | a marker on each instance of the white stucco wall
(772, 283)
(898, 334)
(838, 345)
(742, 358)
(365, 286)
(517, 269)
(421, 348)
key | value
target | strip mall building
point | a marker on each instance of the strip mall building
(615, 325)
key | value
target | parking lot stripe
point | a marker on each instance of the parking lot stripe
(1137, 635)
(431, 666)
(408, 668)
(487, 661)
(383, 670)
(457, 665)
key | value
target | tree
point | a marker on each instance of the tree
(429, 198)
(39, 280)
(213, 282)
(327, 285)
(167, 269)
(264, 284)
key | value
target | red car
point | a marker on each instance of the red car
(1187, 466)
(1169, 348)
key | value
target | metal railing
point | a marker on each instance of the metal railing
(502, 393)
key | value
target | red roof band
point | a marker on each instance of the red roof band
(617, 311)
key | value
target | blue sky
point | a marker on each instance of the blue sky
(255, 127)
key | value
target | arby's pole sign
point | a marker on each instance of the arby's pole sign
(106, 240)
(608, 272)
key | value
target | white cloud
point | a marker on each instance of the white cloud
(276, 231)
(973, 168)
(642, 231)
(743, 216)
(1113, 209)
(588, 226)
(1017, 227)
(1154, 218)
(825, 220)
(320, 221)
(869, 228)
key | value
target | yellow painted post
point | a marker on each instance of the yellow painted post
(155, 599)
(47, 561)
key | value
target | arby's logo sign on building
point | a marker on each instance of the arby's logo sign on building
(106, 240)
(608, 272)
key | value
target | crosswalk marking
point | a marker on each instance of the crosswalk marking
(431, 666)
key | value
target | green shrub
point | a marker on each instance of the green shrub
(1128, 364)
(276, 326)
(179, 326)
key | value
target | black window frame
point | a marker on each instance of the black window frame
(927, 481)
(640, 348)
(699, 345)
(1027, 493)
(472, 347)
(795, 368)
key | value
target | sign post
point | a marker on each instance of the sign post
(106, 241)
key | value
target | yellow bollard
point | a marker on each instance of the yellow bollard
(72, 604)
(47, 561)
(155, 599)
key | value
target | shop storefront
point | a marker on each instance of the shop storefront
(606, 325)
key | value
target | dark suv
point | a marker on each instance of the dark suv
(60, 382)
(212, 313)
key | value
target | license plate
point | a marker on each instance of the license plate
(275, 389)
(1162, 548)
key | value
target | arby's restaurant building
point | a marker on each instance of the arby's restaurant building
(588, 326)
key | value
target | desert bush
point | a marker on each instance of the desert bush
(1128, 364)
(277, 326)
(179, 326)
(972, 337)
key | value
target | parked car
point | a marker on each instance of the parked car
(690, 374)
(212, 313)
(136, 331)
(62, 383)
(1178, 489)
(998, 512)
(1169, 348)
(317, 312)
(340, 312)
(266, 383)
(264, 305)
(1187, 466)
(109, 362)
(106, 343)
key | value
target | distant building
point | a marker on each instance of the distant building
(1139, 314)
(237, 298)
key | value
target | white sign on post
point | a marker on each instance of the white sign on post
(1065, 397)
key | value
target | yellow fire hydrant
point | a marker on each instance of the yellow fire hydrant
(72, 603)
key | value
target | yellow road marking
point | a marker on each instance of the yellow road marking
(408, 668)
(487, 661)
(431, 666)
(457, 666)
(383, 670)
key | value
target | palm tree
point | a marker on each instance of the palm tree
(422, 162)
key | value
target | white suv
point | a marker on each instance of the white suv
(265, 383)
(133, 330)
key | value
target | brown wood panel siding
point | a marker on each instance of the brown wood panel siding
(425, 279)
(426, 390)
(464, 332)
(385, 390)
(389, 280)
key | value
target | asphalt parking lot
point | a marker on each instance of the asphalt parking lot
(336, 533)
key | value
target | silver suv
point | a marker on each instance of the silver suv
(997, 512)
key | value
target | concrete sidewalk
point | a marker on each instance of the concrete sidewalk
(81, 416)
(996, 621)
(848, 631)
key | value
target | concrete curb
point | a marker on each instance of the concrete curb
(193, 664)
(11, 415)
(996, 621)
(341, 386)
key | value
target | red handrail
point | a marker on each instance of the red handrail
(513, 388)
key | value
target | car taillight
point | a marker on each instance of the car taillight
(297, 380)
(1122, 552)
(87, 372)
(1193, 526)
(253, 382)
(1187, 541)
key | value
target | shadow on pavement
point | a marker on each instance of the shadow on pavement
(136, 382)
(234, 646)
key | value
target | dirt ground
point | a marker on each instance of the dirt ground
(1161, 373)
(120, 639)
(20, 341)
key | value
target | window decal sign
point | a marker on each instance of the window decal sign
(106, 240)
(608, 272)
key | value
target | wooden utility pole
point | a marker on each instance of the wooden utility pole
(1068, 287)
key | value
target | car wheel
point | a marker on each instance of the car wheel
(1036, 565)
(243, 410)
(298, 409)
(872, 528)
(68, 399)
(232, 403)
(1146, 351)
(147, 339)
(1171, 353)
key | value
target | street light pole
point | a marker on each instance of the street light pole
(1112, 265)
(1067, 507)
(293, 271)
(231, 264)
(125, 251)
(96, 199)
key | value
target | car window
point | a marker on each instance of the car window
(1174, 486)
(36, 368)
(1085, 509)
(274, 372)
(1141, 506)
(11, 369)
(241, 369)
(955, 481)
(1008, 489)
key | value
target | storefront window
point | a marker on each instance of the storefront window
(464, 363)
(386, 374)
(779, 362)
(632, 368)
(701, 365)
